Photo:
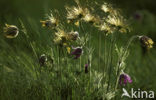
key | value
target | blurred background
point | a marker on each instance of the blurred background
(143, 10)
(141, 67)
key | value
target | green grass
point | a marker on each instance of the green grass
(64, 78)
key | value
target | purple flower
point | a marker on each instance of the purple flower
(124, 79)
(86, 68)
(137, 16)
(77, 52)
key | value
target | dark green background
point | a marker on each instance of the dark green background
(142, 68)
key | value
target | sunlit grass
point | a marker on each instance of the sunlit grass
(49, 62)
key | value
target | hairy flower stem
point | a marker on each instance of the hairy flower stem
(36, 58)
(121, 58)
(80, 64)
(31, 44)
(81, 27)
(104, 59)
(99, 52)
(104, 69)
(111, 60)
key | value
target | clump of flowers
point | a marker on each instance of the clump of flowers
(118, 22)
(65, 39)
(90, 18)
(11, 31)
(113, 20)
(124, 79)
(51, 22)
(77, 52)
(146, 42)
(76, 14)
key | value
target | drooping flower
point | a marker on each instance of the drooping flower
(137, 16)
(124, 79)
(77, 52)
(11, 31)
(73, 36)
(86, 68)
(42, 60)
(146, 42)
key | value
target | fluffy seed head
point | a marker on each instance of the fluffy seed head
(51, 22)
(106, 28)
(115, 20)
(74, 13)
(89, 18)
(106, 8)
(60, 37)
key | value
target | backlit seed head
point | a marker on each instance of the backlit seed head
(51, 22)
(89, 18)
(48, 23)
(146, 42)
(115, 21)
(64, 38)
(11, 31)
(74, 13)
(106, 28)
(106, 8)
(60, 37)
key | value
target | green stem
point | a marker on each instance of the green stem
(110, 68)
(120, 59)
(104, 58)
(99, 51)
